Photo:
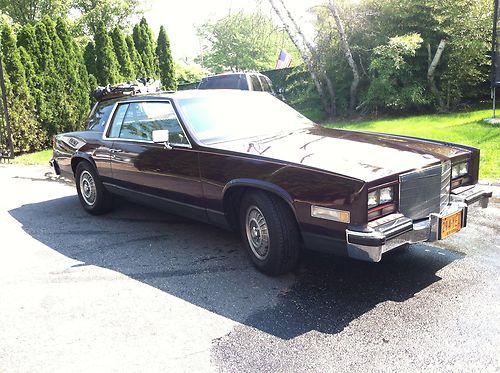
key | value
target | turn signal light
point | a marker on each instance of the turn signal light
(330, 214)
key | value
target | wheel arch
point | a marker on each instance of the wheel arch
(79, 157)
(234, 190)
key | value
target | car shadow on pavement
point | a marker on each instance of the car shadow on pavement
(207, 267)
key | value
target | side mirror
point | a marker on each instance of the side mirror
(161, 137)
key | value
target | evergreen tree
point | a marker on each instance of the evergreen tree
(43, 55)
(49, 84)
(34, 82)
(89, 58)
(107, 67)
(26, 133)
(85, 84)
(62, 99)
(27, 39)
(92, 82)
(76, 80)
(29, 53)
(165, 61)
(135, 58)
(121, 51)
(144, 43)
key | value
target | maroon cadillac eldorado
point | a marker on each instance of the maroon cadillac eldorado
(247, 161)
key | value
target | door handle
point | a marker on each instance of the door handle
(116, 151)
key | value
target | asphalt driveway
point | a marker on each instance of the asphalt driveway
(138, 290)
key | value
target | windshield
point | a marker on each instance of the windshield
(238, 116)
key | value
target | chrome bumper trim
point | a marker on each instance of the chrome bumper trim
(471, 196)
(396, 230)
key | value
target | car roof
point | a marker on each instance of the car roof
(232, 74)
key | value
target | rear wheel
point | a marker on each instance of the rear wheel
(94, 198)
(270, 233)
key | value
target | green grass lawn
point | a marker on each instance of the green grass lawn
(462, 128)
(38, 158)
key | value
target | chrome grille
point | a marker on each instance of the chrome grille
(425, 191)
(445, 185)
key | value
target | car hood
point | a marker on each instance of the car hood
(361, 155)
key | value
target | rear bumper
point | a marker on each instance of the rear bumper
(53, 164)
(392, 231)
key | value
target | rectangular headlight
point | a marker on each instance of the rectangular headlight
(459, 170)
(380, 197)
(386, 196)
(373, 199)
(330, 214)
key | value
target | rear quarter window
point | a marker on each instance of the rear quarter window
(256, 86)
(98, 118)
(266, 84)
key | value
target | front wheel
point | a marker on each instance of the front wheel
(270, 233)
(94, 198)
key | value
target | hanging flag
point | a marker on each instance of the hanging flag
(284, 60)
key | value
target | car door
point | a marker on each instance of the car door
(166, 177)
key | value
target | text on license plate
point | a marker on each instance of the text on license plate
(451, 224)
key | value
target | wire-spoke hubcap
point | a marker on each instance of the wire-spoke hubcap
(87, 188)
(257, 232)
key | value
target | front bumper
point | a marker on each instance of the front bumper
(392, 231)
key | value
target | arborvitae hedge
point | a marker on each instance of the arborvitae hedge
(165, 61)
(26, 133)
(76, 86)
(144, 43)
(50, 78)
(121, 51)
(107, 67)
(135, 58)
(89, 57)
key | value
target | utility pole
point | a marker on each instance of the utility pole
(494, 54)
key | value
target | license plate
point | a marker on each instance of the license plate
(451, 224)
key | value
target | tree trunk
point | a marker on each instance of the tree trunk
(332, 113)
(432, 69)
(309, 55)
(348, 55)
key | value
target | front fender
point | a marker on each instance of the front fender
(260, 184)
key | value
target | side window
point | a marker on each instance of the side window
(116, 126)
(265, 85)
(99, 117)
(138, 120)
(255, 83)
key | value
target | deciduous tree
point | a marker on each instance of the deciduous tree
(111, 13)
(29, 11)
(310, 55)
(244, 41)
